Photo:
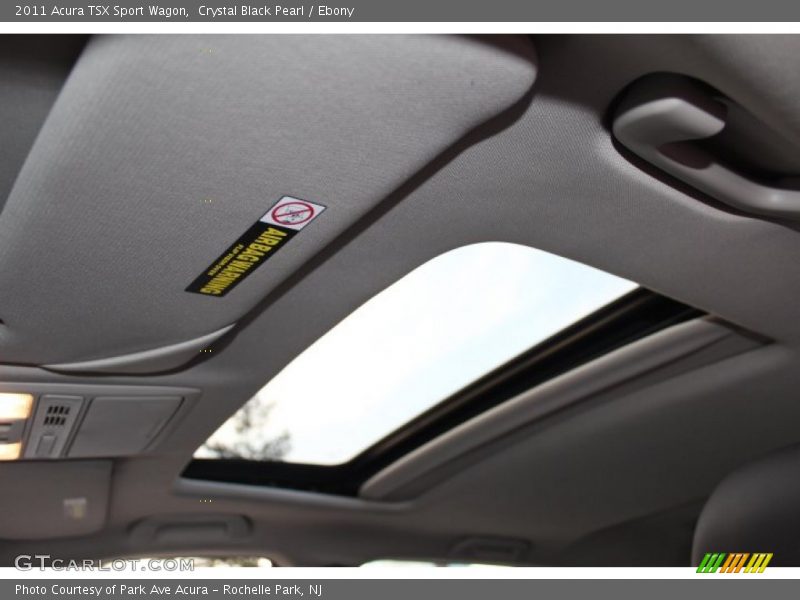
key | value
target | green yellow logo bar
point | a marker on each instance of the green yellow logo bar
(737, 562)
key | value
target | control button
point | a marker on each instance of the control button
(46, 443)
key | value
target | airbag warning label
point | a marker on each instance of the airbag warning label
(273, 231)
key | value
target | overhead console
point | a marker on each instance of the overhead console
(49, 421)
(179, 180)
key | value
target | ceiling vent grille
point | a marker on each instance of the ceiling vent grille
(56, 415)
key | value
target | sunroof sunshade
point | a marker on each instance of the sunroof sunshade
(430, 334)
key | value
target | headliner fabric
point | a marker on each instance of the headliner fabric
(36, 502)
(554, 180)
(32, 70)
(755, 509)
(162, 150)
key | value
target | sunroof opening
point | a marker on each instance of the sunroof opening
(424, 338)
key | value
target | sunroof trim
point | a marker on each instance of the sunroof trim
(632, 317)
(629, 317)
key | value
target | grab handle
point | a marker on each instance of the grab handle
(656, 119)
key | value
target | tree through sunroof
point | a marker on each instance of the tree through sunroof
(249, 441)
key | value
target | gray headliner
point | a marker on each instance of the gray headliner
(546, 175)
(32, 71)
(677, 349)
(176, 145)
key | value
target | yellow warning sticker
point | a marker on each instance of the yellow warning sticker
(268, 235)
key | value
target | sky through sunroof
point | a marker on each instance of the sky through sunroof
(439, 328)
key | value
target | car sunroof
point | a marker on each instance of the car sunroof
(424, 338)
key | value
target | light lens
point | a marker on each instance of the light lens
(10, 451)
(15, 406)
